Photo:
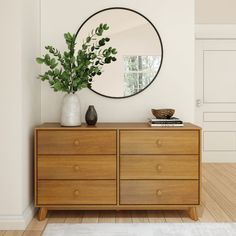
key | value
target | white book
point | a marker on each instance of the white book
(170, 119)
(165, 125)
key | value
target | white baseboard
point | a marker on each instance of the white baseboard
(17, 222)
(218, 157)
(228, 161)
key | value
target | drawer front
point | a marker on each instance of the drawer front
(77, 167)
(77, 142)
(159, 167)
(159, 142)
(63, 192)
(159, 192)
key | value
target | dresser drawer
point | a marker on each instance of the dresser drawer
(159, 192)
(159, 142)
(76, 192)
(159, 167)
(76, 142)
(77, 167)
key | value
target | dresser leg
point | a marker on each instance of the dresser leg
(42, 213)
(192, 211)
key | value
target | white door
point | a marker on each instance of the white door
(216, 98)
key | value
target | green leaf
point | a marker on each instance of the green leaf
(47, 59)
(88, 39)
(44, 77)
(50, 73)
(84, 46)
(105, 27)
(93, 56)
(53, 61)
(39, 60)
(51, 82)
(114, 51)
(104, 53)
(68, 36)
(57, 86)
(107, 60)
(53, 66)
(56, 72)
(84, 85)
(98, 31)
(101, 42)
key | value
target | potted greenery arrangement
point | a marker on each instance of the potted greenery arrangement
(73, 70)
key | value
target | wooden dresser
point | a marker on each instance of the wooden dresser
(117, 166)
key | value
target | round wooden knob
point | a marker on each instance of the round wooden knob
(76, 167)
(159, 167)
(76, 192)
(159, 142)
(159, 193)
(76, 142)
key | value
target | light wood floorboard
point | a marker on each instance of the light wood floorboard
(74, 217)
(32, 233)
(107, 217)
(218, 205)
(156, 216)
(139, 217)
(14, 233)
(90, 217)
(123, 217)
(172, 217)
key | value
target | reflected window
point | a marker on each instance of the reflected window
(139, 71)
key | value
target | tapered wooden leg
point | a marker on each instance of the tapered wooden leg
(192, 211)
(42, 213)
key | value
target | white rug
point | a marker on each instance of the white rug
(142, 229)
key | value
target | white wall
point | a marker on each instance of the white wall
(215, 11)
(20, 109)
(31, 95)
(174, 85)
(10, 105)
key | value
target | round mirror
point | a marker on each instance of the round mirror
(139, 47)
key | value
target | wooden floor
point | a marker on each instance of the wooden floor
(218, 205)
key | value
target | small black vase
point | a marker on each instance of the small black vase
(91, 116)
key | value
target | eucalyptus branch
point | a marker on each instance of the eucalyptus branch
(73, 71)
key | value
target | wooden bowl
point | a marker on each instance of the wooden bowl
(163, 113)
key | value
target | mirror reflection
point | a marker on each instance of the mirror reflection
(139, 72)
(139, 49)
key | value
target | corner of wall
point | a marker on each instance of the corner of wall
(18, 222)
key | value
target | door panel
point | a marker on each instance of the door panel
(219, 76)
(219, 141)
(219, 117)
(216, 98)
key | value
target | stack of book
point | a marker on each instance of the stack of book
(173, 121)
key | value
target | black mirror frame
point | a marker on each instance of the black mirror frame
(162, 53)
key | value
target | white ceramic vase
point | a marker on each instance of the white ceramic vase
(71, 110)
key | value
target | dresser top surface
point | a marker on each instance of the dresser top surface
(125, 125)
